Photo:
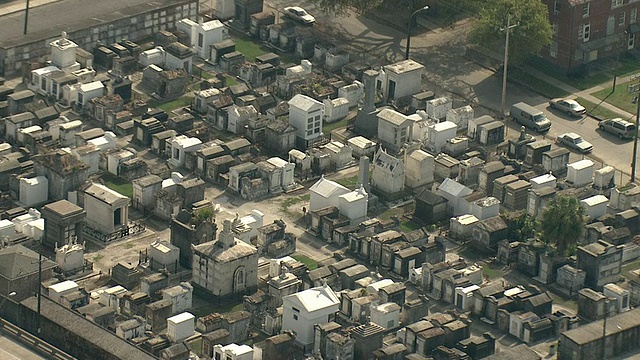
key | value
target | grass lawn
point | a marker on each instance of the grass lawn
(627, 268)
(470, 253)
(621, 98)
(387, 214)
(230, 80)
(626, 66)
(539, 85)
(348, 182)
(327, 128)
(409, 226)
(311, 264)
(491, 273)
(250, 49)
(597, 111)
(172, 105)
(569, 304)
(207, 309)
(118, 184)
(196, 346)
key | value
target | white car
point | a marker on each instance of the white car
(575, 142)
(569, 106)
(299, 14)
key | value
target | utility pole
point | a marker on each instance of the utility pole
(39, 292)
(635, 89)
(507, 30)
(26, 18)
(604, 328)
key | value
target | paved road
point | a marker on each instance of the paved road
(12, 350)
(449, 73)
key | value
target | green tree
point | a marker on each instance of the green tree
(562, 223)
(532, 33)
(524, 227)
(337, 7)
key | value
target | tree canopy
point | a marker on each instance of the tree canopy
(562, 224)
(532, 33)
(337, 7)
(523, 228)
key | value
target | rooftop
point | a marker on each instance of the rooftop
(105, 194)
(63, 208)
(17, 261)
(315, 299)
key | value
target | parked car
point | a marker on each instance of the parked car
(622, 128)
(575, 142)
(571, 107)
(527, 115)
(299, 14)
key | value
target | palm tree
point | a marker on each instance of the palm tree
(562, 223)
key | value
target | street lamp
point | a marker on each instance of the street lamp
(11, 294)
(413, 14)
(507, 30)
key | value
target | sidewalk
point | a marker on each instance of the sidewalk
(585, 94)
(17, 6)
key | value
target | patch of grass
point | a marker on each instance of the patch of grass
(409, 226)
(327, 128)
(598, 111)
(196, 346)
(230, 80)
(97, 258)
(287, 203)
(311, 264)
(118, 184)
(627, 65)
(491, 273)
(207, 309)
(470, 253)
(171, 105)
(129, 245)
(627, 268)
(539, 85)
(249, 48)
(569, 304)
(620, 98)
(397, 211)
(294, 200)
(348, 182)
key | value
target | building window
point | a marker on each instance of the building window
(585, 32)
(200, 40)
(616, 3)
(585, 10)
(318, 118)
(309, 132)
(555, 29)
(633, 15)
(295, 317)
(553, 49)
(556, 7)
(316, 131)
(621, 19)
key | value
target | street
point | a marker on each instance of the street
(449, 73)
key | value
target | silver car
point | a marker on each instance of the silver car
(569, 106)
(575, 142)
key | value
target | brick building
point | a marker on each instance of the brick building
(587, 31)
